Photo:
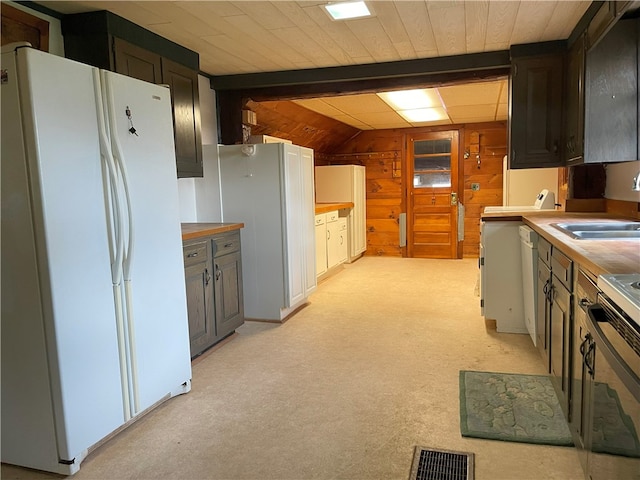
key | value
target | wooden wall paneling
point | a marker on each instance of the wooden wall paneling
(284, 119)
(382, 150)
(20, 26)
(492, 147)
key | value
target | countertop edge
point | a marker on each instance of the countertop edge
(593, 255)
(330, 207)
(191, 231)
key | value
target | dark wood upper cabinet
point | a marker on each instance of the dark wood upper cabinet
(535, 133)
(110, 42)
(136, 62)
(186, 116)
(574, 103)
(611, 85)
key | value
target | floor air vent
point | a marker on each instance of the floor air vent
(430, 464)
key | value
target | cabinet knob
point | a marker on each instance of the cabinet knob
(191, 255)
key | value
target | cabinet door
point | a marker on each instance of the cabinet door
(560, 343)
(333, 245)
(136, 62)
(200, 310)
(359, 213)
(574, 126)
(580, 381)
(308, 219)
(611, 117)
(343, 244)
(536, 111)
(321, 249)
(543, 312)
(228, 293)
(186, 116)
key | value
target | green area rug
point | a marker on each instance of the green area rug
(525, 408)
(513, 408)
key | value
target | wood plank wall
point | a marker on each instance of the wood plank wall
(382, 152)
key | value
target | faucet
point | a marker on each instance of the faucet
(636, 183)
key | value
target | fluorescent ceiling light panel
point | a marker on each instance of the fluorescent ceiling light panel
(418, 115)
(346, 10)
(411, 99)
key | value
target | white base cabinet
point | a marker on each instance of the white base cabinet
(321, 244)
(331, 241)
(346, 183)
(501, 295)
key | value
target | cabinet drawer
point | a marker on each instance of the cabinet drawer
(562, 268)
(332, 216)
(226, 244)
(544, 251)
(195, 253)
(321, 219)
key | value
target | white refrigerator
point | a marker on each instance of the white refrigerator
(94, 317)
(269, 187)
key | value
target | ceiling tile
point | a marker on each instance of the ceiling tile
(364, 103)
(380, 117)
(474, 93)
(463, 113)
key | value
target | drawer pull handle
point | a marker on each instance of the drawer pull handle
(191, 255)
(227, 245)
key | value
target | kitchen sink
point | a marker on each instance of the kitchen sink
(601, 230)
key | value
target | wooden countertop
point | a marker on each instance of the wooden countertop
(597, 256)
(330, 207)
(196, 230)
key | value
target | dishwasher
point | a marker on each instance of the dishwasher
(529, 258)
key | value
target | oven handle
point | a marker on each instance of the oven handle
(596, 314)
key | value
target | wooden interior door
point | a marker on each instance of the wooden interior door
(432, 189)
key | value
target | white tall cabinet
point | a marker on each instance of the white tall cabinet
(270, 188)
(346, 183)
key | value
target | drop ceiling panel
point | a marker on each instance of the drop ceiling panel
(355, 104)
(462, 113)
(475, 93)
(379, 118)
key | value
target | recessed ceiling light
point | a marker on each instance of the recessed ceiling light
(346, 10)
(410, 99)
(418, 115)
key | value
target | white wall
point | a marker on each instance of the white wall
(200, 197)
(620, 179)
(522, 186)
(56, 41)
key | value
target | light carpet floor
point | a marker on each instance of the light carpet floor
(344, 389)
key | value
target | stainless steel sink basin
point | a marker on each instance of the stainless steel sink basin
(600, 230)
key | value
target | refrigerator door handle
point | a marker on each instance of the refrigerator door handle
(107, 157)
(116, 266)
(122, 166)
(128, 252)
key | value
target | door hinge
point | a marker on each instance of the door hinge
(482, 303)
(482, 261)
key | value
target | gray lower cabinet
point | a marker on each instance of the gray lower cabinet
(561, 323)
(200, 295)
(543, 311)
(213, 276)
(582, 355)
(227, 266)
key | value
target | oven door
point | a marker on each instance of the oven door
(614, 447)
